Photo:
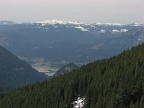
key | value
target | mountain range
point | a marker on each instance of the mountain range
(48, 45)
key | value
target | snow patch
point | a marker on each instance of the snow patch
(46, 22)
(115, 31)
(81, 28)
(124, 30)
(78, 103)
(92, 26)
(102, 31)
(55, 26)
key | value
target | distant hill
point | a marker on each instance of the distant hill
(67, 68)
(15, 72)
(117, 82)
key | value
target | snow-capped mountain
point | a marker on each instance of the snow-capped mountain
(85, 27)
(49, 22)
(92, 28)
(54, 43)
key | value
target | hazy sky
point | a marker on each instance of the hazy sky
(90, 11)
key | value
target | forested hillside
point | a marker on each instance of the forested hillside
(15, 72)
(117, 82)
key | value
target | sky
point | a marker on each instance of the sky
(89, 11)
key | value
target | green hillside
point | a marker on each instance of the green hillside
(117, 82)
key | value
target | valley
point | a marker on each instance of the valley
(41, 65)
(51, 44)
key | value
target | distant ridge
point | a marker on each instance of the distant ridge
(6, 23)
(63, 22)
(46, 22)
